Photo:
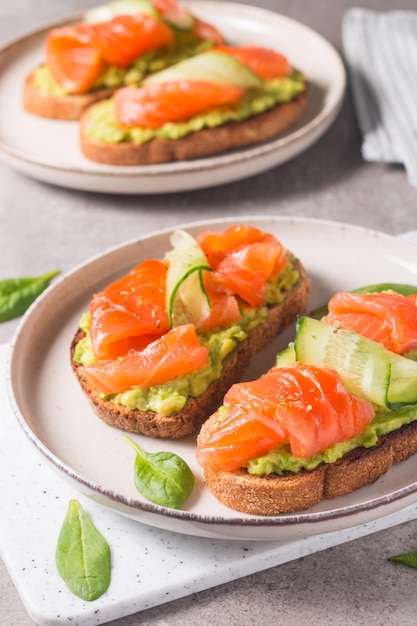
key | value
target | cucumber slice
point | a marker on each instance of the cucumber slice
(214, 67)
(366, 367)
(191, 304)
(186, 297)
(403, 382)
(362, 364)
(287, 357)
(178, 17)
(106, 12)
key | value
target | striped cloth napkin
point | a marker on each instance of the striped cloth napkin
(381, 54)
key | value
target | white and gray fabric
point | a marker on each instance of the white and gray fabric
(381, 54)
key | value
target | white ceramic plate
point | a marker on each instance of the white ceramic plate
(48, 149)
(57, 418)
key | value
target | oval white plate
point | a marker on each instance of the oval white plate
(48, 149)
(57, 418)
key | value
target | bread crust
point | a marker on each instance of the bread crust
(68, 107)
(197, 144)
(197, 410)
(273, 494)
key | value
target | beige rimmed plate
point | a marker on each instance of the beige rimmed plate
(57, 418)
(48, 150)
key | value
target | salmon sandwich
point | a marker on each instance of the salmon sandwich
(334, 414)
(115, 45)
(158, 349)
(224, 98)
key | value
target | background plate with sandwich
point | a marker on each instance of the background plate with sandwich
(45, 159)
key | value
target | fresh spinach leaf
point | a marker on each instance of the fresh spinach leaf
(161, 477)
(83, 557)
(17, 294)
(408, 558)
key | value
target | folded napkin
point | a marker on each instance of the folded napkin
(381, 54)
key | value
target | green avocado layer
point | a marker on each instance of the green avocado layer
(104, 127)
(172, 396)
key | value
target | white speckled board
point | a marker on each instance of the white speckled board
(150, 566)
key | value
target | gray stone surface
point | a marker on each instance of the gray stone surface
(43, 226)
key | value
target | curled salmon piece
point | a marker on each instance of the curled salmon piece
(387, 317)
(126, 37)
(76, 55)
(264, 62)
(156, 104)
(73, 57)
(303, 406)
(130, 312)
(207, 32)
(177, 352)
(244, 259)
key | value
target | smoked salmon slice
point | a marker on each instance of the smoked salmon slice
(218, 245)
(126, 37)
(153, 105)
(264, 62)
(130, 312)
(78, 54)
(244, 259)
(207, 32)
(177, 352)
(75, 62)
(303, 406)
(243, 435)
(387, 317)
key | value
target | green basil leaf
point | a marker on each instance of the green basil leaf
(83, 556)
(162, 477)
(409, 559)
(17, 294)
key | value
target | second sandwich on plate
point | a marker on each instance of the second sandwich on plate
(225, 98)
(334, 414)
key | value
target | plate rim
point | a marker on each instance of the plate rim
(235, 520)
(310, 131)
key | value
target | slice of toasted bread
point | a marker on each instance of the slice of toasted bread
(197, 144)
(197, 410)
(68, 107)
(273, 494)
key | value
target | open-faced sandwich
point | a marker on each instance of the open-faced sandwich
(337, 411)
(224, 98)
(158, 349)
(116, 44)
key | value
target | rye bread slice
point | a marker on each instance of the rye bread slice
(68, 107)
(198, 409)
(273, 494)
(197, 144)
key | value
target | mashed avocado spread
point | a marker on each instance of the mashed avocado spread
(172, 396)
(104, 127)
